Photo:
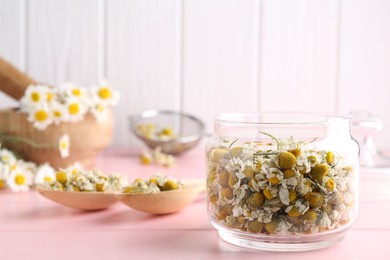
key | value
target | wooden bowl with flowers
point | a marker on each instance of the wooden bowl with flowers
(59, 125)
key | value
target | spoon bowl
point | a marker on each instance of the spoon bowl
(164, 202)
(80, 200)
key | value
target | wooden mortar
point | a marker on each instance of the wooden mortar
(87, 137)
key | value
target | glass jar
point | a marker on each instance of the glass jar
(282, 181)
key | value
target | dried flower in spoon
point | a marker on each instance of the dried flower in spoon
(154, 184)
(86, 181)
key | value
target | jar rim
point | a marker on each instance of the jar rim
(281, 118)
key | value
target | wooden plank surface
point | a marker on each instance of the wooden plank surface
(365, 61)
(218, 49)
(62, 41)
(299, 55)
(141, 59)
(12, 30)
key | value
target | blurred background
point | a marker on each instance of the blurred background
(206, 57)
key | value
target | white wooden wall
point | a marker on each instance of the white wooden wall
(206, 57)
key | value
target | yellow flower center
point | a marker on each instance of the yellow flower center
(100, 108)
(76, 92)
(41, 115)
(1, 184)
(57, 113)
(74, 108)
(63, 145)
(105, 93)
(20, 179)
(13, 167)
(35, 96)
(48, 179)
(61, 177)
(5, 158)
(49, 96)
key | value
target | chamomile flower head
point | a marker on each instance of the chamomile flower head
(45, 173)
(76, 109)
(64, 145)
(20, 179)
(4, 172)
(99, 111)
(36, 95)
(59, 113)
(73, 169)
(7, 157)
(40, 116)
(67, 103)
(105, 94)
(74, 91)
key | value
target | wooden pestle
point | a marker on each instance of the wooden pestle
(13, 82)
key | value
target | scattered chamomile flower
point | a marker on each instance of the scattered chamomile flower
(7, 157)
(20, 175)
(20, 179)
(45, 173)
(157, 157)
(4, 172)
(64, 145)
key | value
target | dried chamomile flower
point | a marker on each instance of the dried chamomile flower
(156, 183)
(73, 179)
(315, 199)
(151, 131)
(320, 171)
(157, 157)
(286, 160)
(287, 188)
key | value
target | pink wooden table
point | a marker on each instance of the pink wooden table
(32, 227)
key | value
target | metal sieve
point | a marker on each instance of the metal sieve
(188, 129)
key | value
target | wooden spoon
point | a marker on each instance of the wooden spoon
(80, 200)
(164, 202)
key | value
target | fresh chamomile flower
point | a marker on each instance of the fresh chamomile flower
(44, 174)
(36, 95)
(104, 94)
(76, 109)
(7, 157)
(20, 179)
(4, 172)
(99, 111)
(64, 145)
(59, 113)
(40, 116)
(73, 169)
(74, 91)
